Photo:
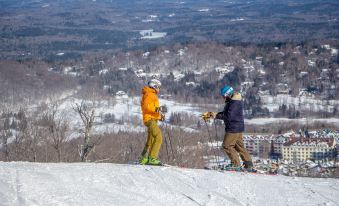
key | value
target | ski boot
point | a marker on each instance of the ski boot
(232, 167)
(248, 167)
(154, 161)
(143, 160)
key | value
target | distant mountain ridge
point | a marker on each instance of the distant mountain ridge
(41, 29)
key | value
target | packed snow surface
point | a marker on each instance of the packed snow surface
(112, 184)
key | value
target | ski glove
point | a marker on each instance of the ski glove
(162, 109)
(207, 115)
(162, 118)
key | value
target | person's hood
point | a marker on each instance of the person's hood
(147, 90)
(236, 96)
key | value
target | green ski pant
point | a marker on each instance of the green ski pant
(154, 139)
(234, 146)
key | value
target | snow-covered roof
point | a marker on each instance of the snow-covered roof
(329, 142)
(259, 137)
(181, 52)
(103, 71)
(334, 52)
(302, 74)
(191, 84)
(146, 54)
(326, 46)
(226, 68)
(120, 93)
(310, 63)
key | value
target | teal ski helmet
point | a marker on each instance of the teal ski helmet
(226, 91)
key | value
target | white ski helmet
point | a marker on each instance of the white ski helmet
(154, 83)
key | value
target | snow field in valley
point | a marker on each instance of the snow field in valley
(128, 110)
(23, 183)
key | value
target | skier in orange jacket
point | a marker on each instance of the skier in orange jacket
(152, 113)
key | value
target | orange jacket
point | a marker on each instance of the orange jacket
(149, 103)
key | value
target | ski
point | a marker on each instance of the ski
(253, 171)
(243, 170)
(160, 165)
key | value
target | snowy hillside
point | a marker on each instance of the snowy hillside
(112, 184)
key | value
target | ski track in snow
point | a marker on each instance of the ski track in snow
(23, 183)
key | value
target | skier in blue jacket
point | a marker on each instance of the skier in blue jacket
(233, 117)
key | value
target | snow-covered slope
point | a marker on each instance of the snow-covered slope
(111, 184)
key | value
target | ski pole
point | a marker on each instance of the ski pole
(181, 146)
(163, 111)
(210, 139)
(169, 139)
(202, 140)
(166, 148)
(216, 138)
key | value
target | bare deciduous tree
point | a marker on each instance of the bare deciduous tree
(5, 133)
(87, 118)
(56, 129)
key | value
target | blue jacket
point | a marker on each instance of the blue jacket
(233, 114)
